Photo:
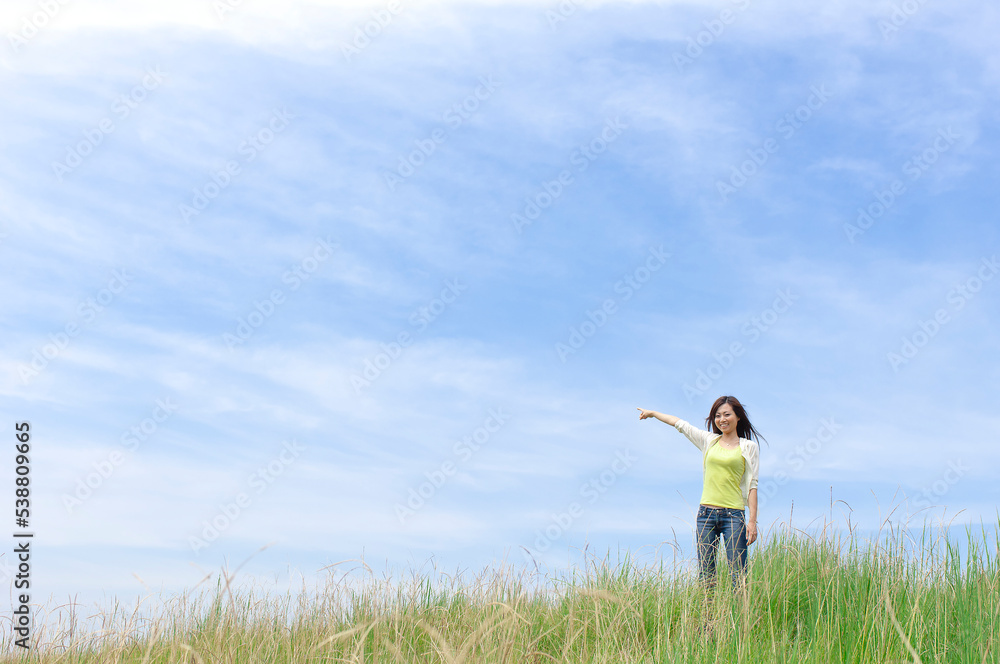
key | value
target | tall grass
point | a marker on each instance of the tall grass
(809, 598)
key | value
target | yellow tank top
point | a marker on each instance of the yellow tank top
(723, 470)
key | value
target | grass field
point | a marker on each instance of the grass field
(810, 598)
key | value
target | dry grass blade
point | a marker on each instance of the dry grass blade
(393, 648)
(899, 630)
(569, 643)
(343, 635)
(615, 599)
(361, 642)
(229, 578)
(447, 652)
(602, 594)
(349, 560)
(194, 653)
(152, 642)
(476, 636)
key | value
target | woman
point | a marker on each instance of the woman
(730, 462)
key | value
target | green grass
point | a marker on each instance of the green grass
(809, 599)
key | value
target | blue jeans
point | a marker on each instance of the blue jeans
(727, 522)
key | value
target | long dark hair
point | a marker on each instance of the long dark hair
(744, 429)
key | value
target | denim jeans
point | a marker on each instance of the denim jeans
(729, 523)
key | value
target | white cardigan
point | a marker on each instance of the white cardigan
(704, 440)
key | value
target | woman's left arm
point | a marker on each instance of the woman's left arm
(752, 495)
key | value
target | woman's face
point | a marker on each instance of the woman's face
(726, 419)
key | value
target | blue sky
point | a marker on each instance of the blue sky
(204, 253)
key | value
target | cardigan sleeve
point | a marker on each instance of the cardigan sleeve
(753, 455)
(697, 436)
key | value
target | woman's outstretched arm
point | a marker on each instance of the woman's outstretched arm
(666, 419)
(700, 438)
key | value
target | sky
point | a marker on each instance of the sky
(388, 281)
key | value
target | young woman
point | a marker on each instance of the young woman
(730, 462)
